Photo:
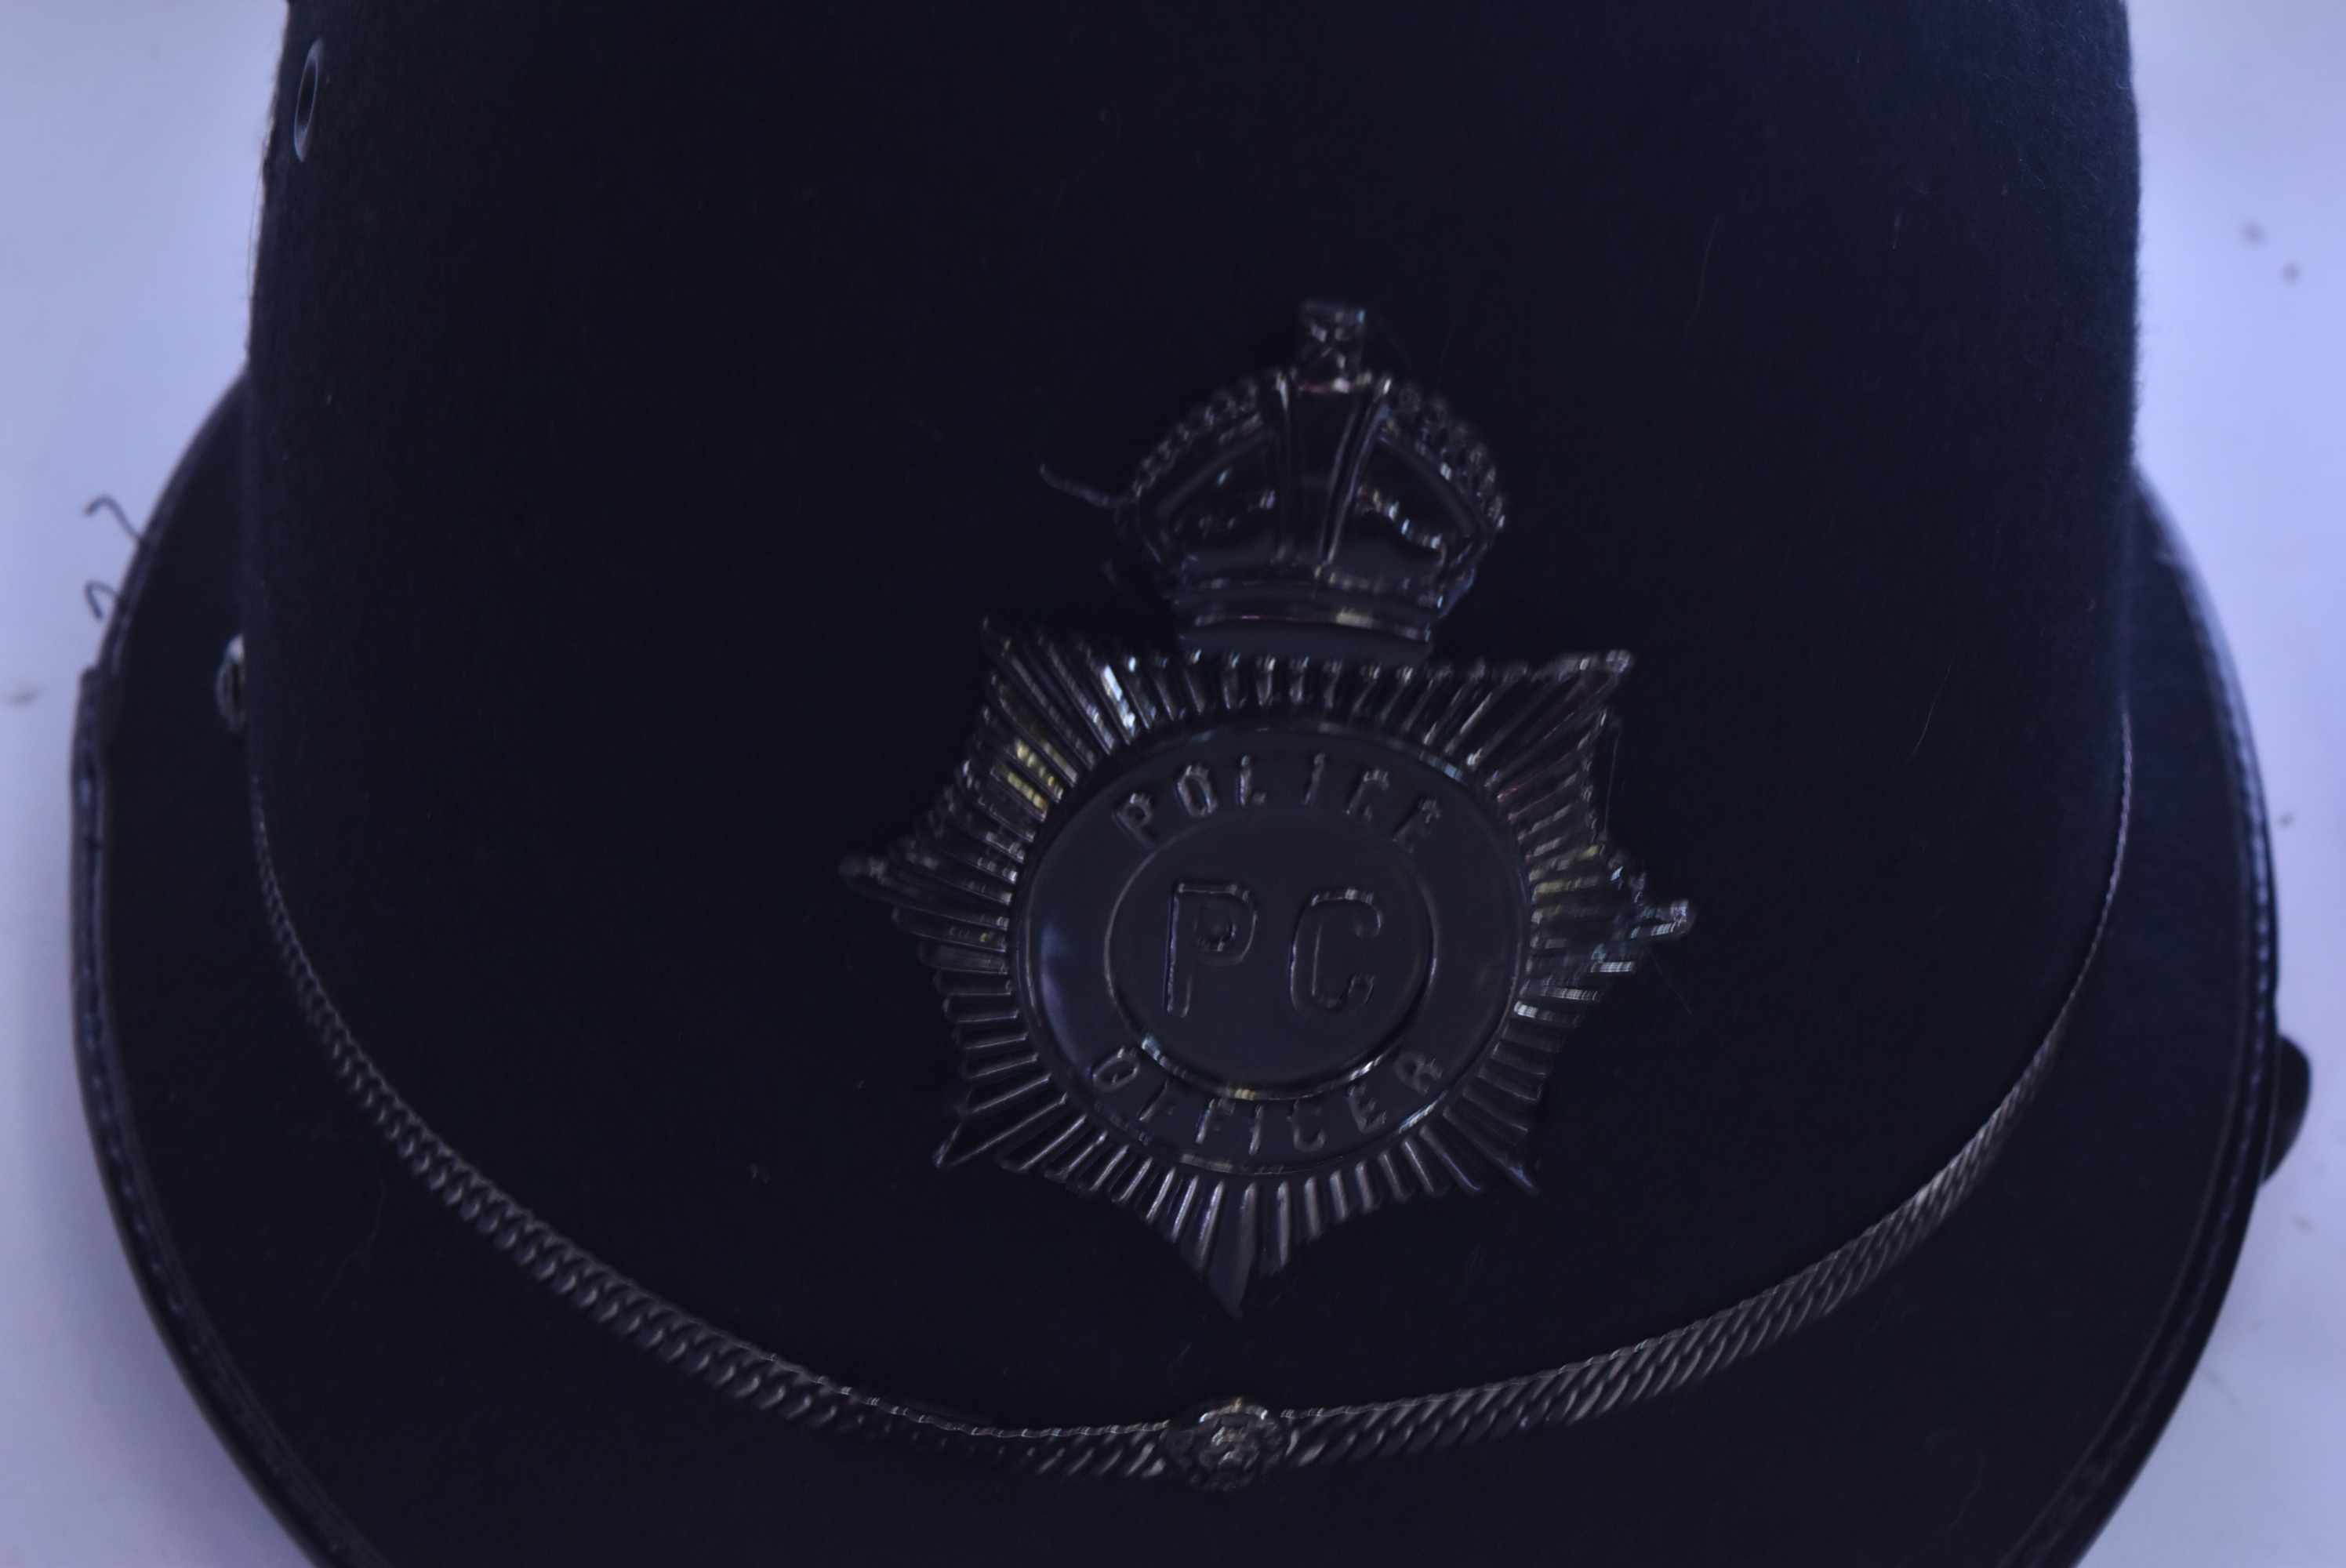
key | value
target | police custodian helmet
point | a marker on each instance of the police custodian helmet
(1288, 784)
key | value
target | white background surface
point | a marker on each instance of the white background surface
(130, 133)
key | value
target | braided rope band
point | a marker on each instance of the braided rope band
(1226, 1445)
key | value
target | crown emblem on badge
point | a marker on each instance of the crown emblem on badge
(1255, 937)
(1314, 497)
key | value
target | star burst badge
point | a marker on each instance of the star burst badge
(1255, 936)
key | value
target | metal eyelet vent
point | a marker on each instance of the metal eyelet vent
(305, 97)
(228, 685)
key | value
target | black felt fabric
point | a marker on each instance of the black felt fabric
(647, 409)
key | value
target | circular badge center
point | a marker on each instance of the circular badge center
(1268, 949)
(1270, 946)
